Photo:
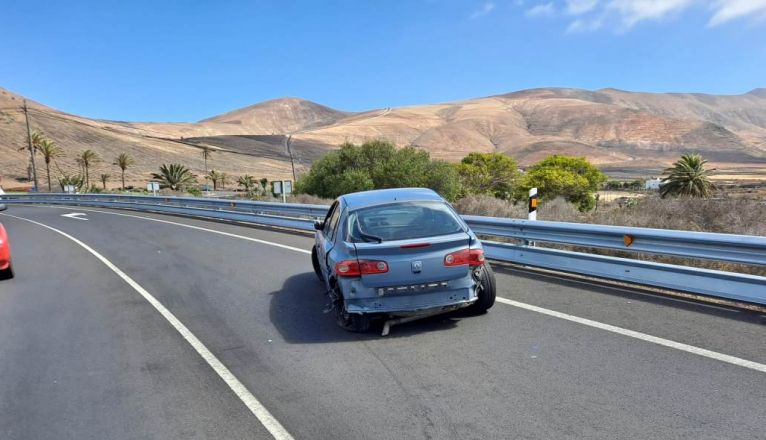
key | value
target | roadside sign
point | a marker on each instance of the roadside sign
(277, 186)
(69, 189)
(288, 185)
(153, 187)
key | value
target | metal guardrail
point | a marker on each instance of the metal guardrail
(741, 249)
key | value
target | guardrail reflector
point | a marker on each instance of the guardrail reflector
(627, 239)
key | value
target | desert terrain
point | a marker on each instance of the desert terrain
(627, 134)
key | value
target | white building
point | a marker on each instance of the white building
(653, 183)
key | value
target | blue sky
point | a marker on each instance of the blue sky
(187, 60)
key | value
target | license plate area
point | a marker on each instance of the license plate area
(412, 288)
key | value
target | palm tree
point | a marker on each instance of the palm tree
(264, 183)
(86, 159)
(175, 176)
(37, 138)
(104, 179)
(124, 161)
(247, 182)
(688, 177)
(215, 176)
(50, 151)
(223, 179)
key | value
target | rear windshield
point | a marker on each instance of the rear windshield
(402, 221)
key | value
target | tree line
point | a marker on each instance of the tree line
(379, 164)
(174, 176)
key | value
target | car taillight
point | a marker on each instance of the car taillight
(354, 268)
(471, 257)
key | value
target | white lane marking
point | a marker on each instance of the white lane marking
(638, 335)
(259, 411)
(199, 228)
(611, 328)
(75, 215)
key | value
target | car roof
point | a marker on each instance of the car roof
(380, 196)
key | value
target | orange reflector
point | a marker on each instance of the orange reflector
(627, 239)
(533, 203)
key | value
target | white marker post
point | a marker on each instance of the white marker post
(287, 187)
(532, 204)
(532, 215)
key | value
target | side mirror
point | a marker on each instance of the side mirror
(318, 225)
(3, 207)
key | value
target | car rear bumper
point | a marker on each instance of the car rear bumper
(369, 300)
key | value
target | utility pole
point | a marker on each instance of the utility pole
(31, 147)
(288, 141)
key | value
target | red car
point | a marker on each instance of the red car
(6, 270)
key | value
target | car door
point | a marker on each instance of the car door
(326, 235)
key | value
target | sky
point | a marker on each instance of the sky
(158, 60)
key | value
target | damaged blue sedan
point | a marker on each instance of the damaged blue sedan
(399, 255)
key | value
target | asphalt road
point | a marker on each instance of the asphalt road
(84, 356)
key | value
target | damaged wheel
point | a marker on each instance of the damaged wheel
(352, 322)
(485, 289)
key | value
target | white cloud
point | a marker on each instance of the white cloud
(622, 15)
(581, 25)
(726, 10)
(577, 7)
(634, 11)
(542, 10)
(486, 8)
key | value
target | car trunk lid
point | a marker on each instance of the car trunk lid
(414, 261)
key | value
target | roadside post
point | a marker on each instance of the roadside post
(153, 187)
(532, 215)
(276, 188)
(532, 204)
(287, 186)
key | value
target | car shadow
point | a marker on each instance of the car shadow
(297, 311)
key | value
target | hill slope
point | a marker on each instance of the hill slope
(623, 132)
(150, 146)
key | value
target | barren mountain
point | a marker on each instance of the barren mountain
(149, 146)
(623, 132)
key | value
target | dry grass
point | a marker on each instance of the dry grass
(732, 216)
(308, 199)
(555, 210)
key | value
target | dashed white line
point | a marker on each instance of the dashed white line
(259, 411)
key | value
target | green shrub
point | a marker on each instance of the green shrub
(377, 165)
(573, 178)
(488, 173)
